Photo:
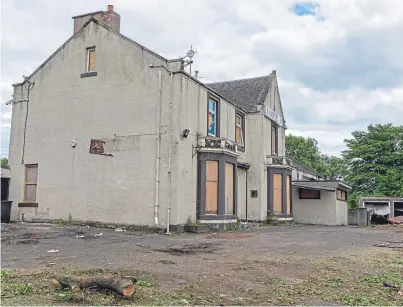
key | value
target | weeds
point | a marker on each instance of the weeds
(4, 273)
(380, 278)
(189, 222)
(21, 289)
(336, 280)
(143, 283)
(62, 223)
(66, 296)
(356, 299)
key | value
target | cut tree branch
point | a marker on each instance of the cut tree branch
(122, 286)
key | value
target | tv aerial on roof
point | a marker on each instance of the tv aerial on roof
(189, 55)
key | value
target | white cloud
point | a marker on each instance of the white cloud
(338, 71)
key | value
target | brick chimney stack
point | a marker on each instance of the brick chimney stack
(109, 17)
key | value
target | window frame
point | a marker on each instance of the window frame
(216, 113)
(88, 59)
(242, 117)
(341, 198)
(275, 127)
(308, 197)
(26, 183)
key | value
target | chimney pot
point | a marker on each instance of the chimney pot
(110, 8)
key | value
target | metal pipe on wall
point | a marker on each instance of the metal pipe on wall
(158, 155)
(170, 154)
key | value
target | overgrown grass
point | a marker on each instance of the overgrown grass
(265, 280)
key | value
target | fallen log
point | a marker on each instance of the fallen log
(122, 286)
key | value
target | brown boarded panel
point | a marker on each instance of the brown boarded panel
(91, 60)
(31, 173)
(30, 192)
(229, 189)
(288, 194)
(211, 197)
(277, 193)
(212, 170)
(238, 133)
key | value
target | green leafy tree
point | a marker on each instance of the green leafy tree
(375, 161)
(334, 168)
(304, 150)
(4, 162)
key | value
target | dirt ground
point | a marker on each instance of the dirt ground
(282, 265)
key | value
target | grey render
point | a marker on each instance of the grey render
(120, 106)
(327, 210)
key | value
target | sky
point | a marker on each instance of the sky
(339, 63)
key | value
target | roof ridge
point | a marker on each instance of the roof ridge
(86, 14)
(235, 80)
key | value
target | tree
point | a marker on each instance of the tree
(335, 168)
(375, 161)
(304, 150)
(4, 162)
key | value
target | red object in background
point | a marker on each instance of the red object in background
(396, 220)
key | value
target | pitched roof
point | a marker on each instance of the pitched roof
(245, 93)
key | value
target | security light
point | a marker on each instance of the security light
(185, 133)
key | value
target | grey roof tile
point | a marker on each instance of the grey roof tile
(245, 93)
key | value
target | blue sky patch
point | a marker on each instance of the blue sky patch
(304, 9)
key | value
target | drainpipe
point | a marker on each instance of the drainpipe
(246, 200)
(158, 156)
(170, 154)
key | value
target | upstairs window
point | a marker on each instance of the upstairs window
(274, 140)
(239, 130)
(212, 117)
(31, 178)
(91, 59)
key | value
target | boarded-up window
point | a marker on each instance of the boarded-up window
(288, 194)
(91, 59)
(31, 179)
(211, 187)
(341, 195)
(277, 193)
(274, 140)
(229, 188)
(239, 130)
(309, 194)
